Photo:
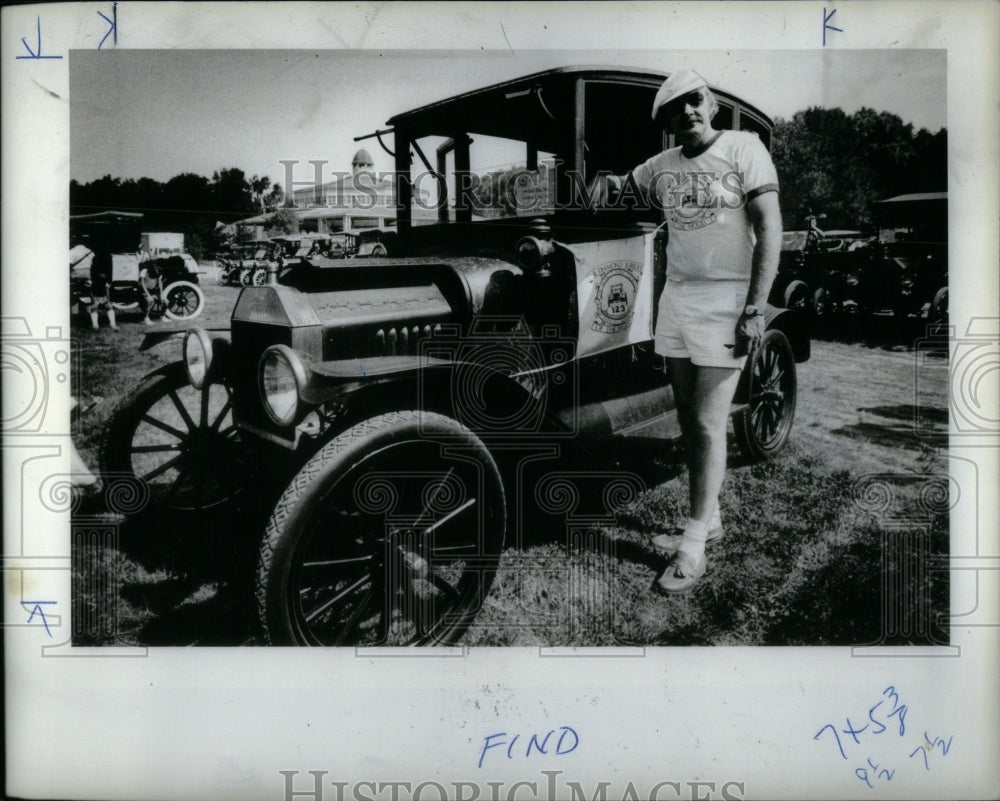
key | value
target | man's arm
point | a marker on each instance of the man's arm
(765, 216)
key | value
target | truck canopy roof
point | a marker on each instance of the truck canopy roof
(550, 96)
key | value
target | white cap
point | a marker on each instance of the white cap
(677, 85)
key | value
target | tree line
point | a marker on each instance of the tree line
(828, 162)
(839, 164)
(188, 203)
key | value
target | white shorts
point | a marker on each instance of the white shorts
(697, 321)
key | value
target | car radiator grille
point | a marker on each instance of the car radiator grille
(403, 340)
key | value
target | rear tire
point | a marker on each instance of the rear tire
(183, 300)
(821, 308)
(939, 307)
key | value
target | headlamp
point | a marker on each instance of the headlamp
(197, 352)
(281, 378)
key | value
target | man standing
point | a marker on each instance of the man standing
(100, 286)
(719, 193)
(150, 282)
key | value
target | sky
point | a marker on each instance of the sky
(158, 113)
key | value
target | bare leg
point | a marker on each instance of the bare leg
(703, 415)
(682, 381)
(714, 390)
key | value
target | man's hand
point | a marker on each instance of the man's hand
(749, 333)
(602, 189)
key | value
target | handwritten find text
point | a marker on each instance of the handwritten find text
(555, 742)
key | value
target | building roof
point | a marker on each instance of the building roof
(323, 212)
(106, 215)
(346, 183)
(916, 197)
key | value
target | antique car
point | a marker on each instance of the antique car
(319, 249)
(400, 404)
(908, 271)
(817, 271)
(118, 233)
(245, 264)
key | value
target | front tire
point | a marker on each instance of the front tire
(764, 426)
(389, 535)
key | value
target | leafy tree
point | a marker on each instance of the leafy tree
(841, 164)
(283, 221)
(274, 199)
(232, 195)
(258, 186)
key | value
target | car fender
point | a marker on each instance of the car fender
(792, 324)
(424, 382)
(154, 338)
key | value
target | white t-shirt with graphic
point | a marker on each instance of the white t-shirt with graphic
(704, 199)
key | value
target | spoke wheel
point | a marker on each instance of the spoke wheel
(180, 441)
(763, 427)
(259, 276)
(389, 535)
(183, 300)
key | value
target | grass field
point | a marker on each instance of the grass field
(815, 551)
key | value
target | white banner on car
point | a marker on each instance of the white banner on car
(614, 292)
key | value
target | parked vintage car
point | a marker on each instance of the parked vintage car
(817, 272)
(320, 249)
(247, 263)
(908, 271)
(118, 234)
(399, 400)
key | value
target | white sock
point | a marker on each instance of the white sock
(693, 541)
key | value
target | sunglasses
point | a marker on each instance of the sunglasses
(693, 99)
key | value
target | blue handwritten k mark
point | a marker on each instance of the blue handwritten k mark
(112, 26)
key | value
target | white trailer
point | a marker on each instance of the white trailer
(161, 243)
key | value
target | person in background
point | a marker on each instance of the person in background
(100, 283)
(150, 281)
